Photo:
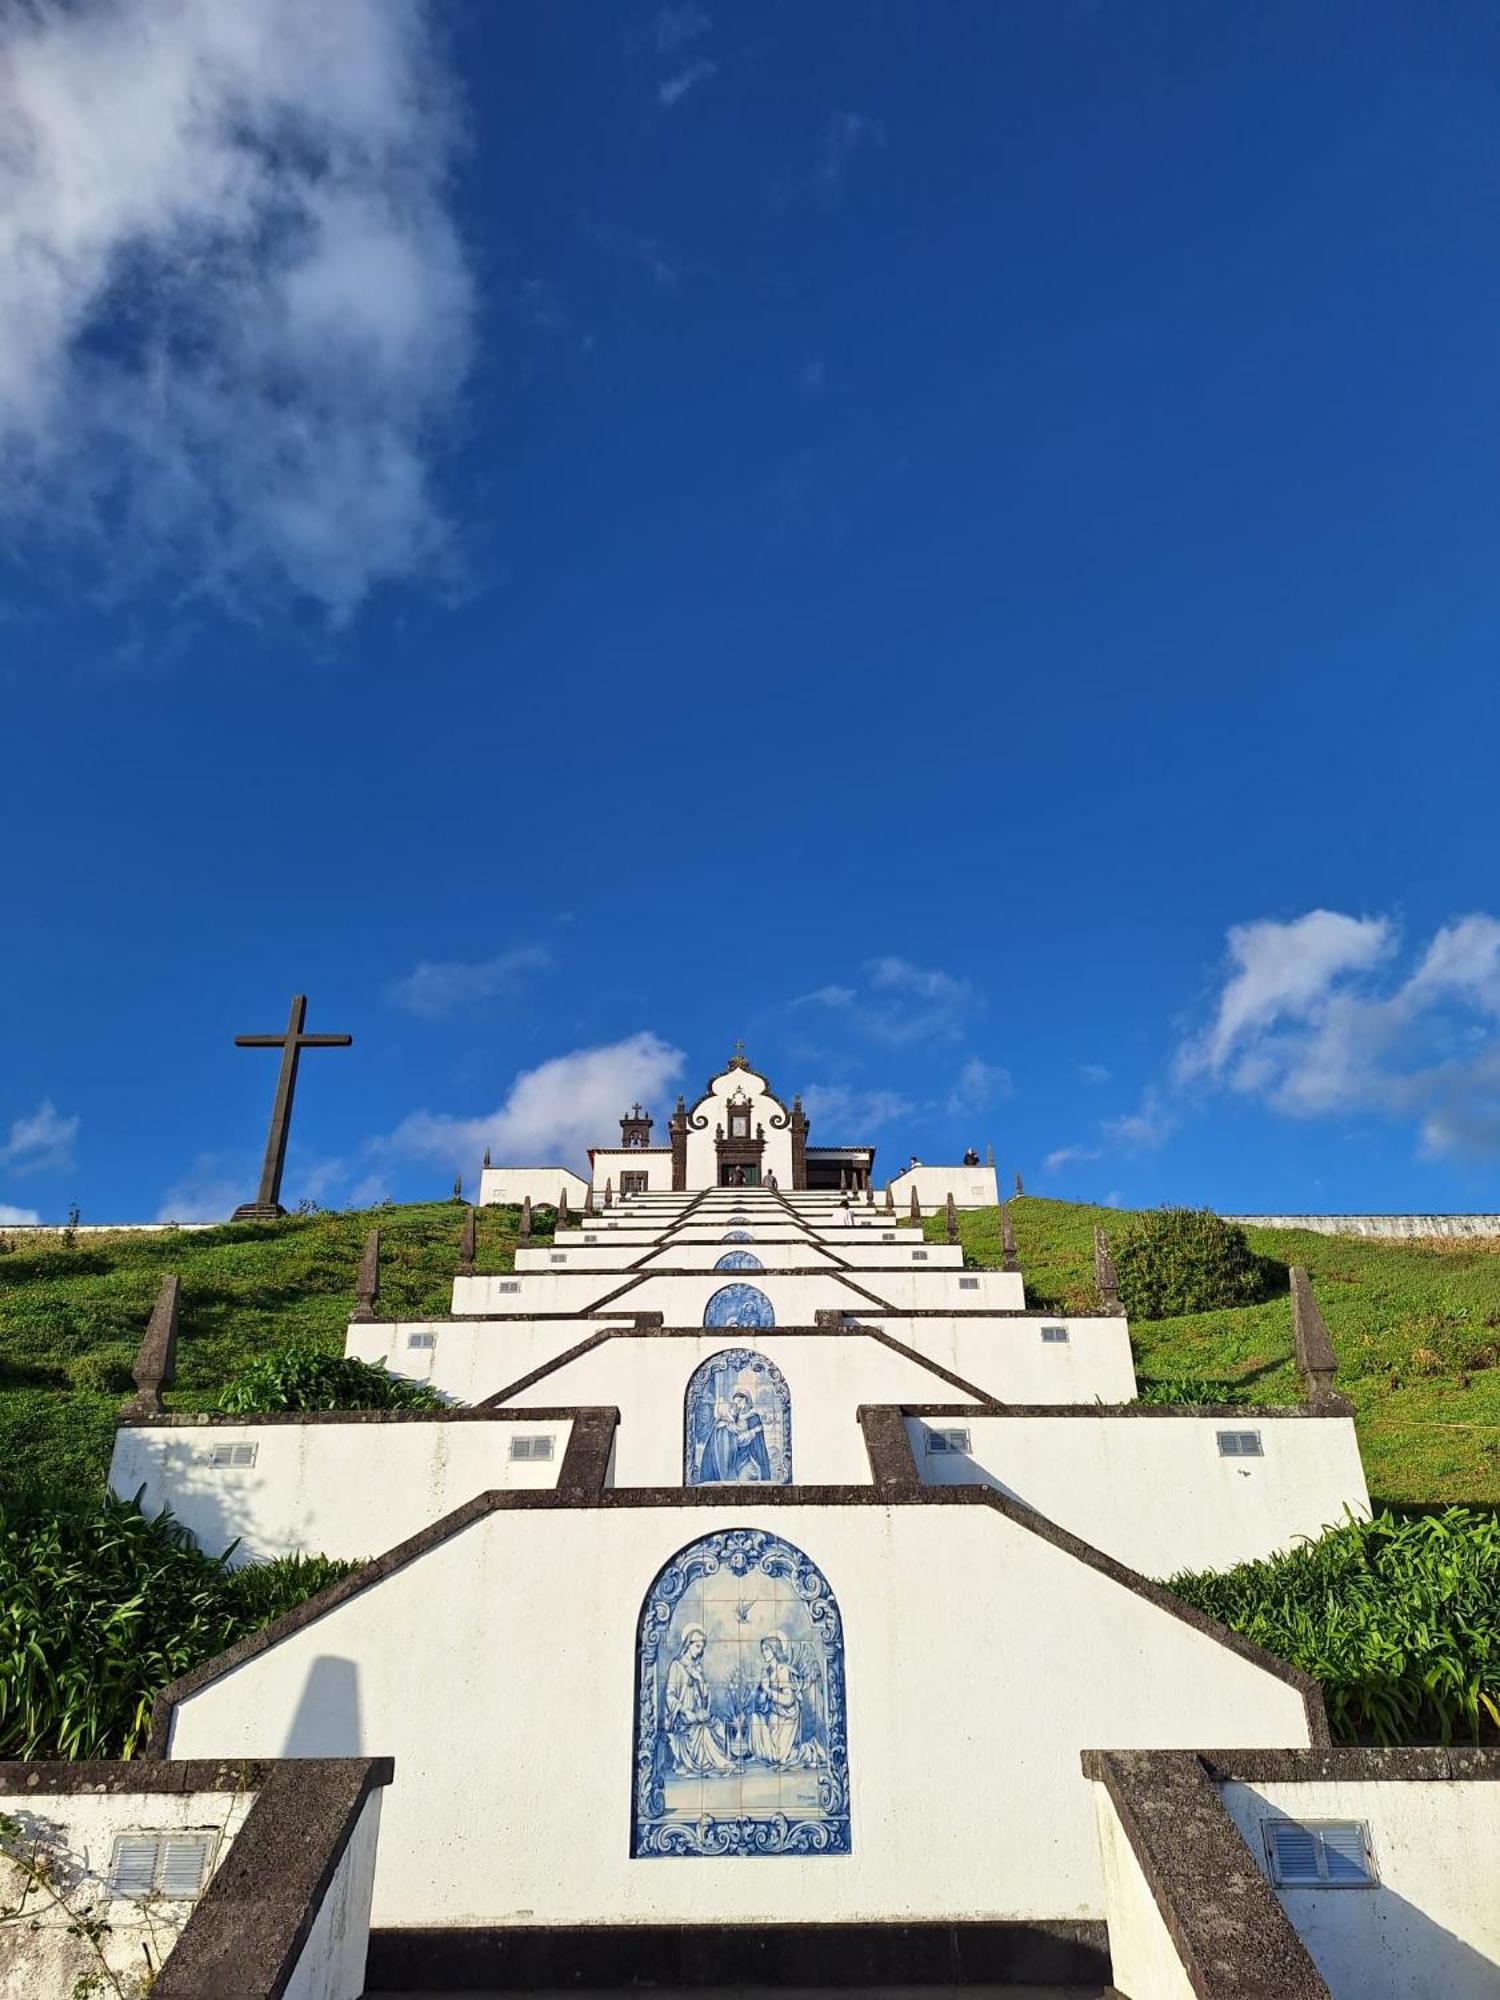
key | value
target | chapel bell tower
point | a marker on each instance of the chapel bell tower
(635, 1127)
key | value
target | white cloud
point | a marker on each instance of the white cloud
(674, 27)
(1145, 1128)
(210, 1191)
(976, 1085)
(41, 1142)
(1282, 971)
(1064, 1156)
(1092, 1072)
(671, 90)
(900, 1003)
(16, 1215)
(1315, 1021)
(436, 988)
(237, 309)
(845, 134)
(551, 1114)
(845, 1116)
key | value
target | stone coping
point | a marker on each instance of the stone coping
(896, 1482)
(1232, 1937)
(248, 1929)
(467, 1413)
(1432, 1764)
(1216, 1412)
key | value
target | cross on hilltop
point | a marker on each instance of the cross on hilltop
(267, 1203)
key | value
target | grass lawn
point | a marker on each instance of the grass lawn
(246, 1288)
(1415, 1325)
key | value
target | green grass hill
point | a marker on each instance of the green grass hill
(1416, 1325)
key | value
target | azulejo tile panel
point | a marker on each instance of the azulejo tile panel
(736, 1236)
(741, 1739)
(739, 1260)
(739, 1305)
(737, 1422)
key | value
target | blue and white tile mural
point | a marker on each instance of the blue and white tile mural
(741, 1740)
(736, 1236)
(737, 1422)
(739, 1305)
(739, 1260)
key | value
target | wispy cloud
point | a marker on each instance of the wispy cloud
(211, 1189)
(675, 27)
(846, 1116)
(237, 308)
(672, 89)
(1064, 1156)
(846, 134)
(550, 1115)
(40, 1142)
(1092, 1072)
(439, 987)
(899, 1003)
(977, 1085)
(15, 1215)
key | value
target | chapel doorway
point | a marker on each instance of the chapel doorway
(738, 1176)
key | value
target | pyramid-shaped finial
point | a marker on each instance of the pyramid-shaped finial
(156, 1364)
(367, 1283)
(1105, 1282)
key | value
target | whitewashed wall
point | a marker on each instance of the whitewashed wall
(1430, 1929)
(80, 1829)
(609, 1162)
(335, 1489)
(331, 1964)
(543, 1184)
(500, 1667)
(608, 1251)
(1154, 1491)
(1144, 1963)
(828, 1377)
(795, 1300)
(1005, 1358)
(971, 1187)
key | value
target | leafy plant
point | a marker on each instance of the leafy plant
(104, 1371)
(303, 1377)
(1186, 1260)
(100, 1607)
(1399, 1619)
(1182, 1390)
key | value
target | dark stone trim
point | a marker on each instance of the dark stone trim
(892, 1460)
(1217, 1412)
(1234, 1940)
(192, 1774)
(875, 1333)
(1455, 1764)
(527, 1958)
(244, 1938)
(585, 1461)
(467, 1413)
(733, 1497)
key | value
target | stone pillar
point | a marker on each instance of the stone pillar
(468, 1244)
(523, 1227)
(1105, 1281)
(799, 1144)
(952, 1218)
(890, 1199)
(1009, 1260)
(1316, 1361)
(367, 1284)
(156, 1364)
(916, 1206)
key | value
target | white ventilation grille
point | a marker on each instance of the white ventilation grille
(532, 1449)
(421, 1340)
(232, 1457)
(1240, 1444)
(173, 1865)
(1054, 1333)
(919, 1256)
(508, 1285)
(968, 1284)
(939, 1442)
(1322, 1854)
(557, 1257)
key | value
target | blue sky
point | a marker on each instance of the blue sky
(958, 545)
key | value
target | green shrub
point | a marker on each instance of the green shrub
(303, 1377)
(100, 1608)
(1186, 1260)
(1398, 1619)
(105, 1371)
(1182, 1390)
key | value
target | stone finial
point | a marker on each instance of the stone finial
(890, 1199)
(468, 1244)
(1009, 1260)
(869, 1194)
(523, 1227)
(562, 1206)
(609, 1194)
(916, 1206)
(588, 1200)
(1316, 1360)
(458, 1187)
(486, 1156)
(1105, 1282)
(1019, 1188)
(951, 1216)
(156, 1364)
(367, 1284)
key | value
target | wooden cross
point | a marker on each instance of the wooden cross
(267, 1202)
